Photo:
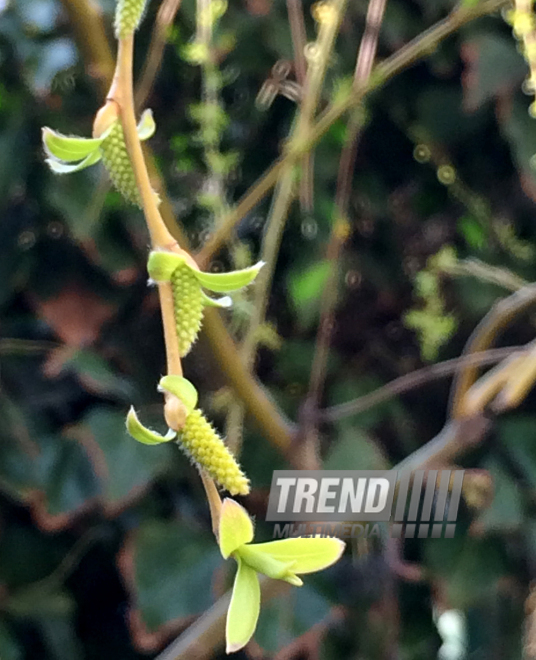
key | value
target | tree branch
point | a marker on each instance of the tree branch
(414, 380)
(500, 315)
(89, 28)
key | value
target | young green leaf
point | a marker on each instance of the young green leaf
(224, 282)
(181, 388)
(68, 148)
(143, 434)
(244, 608)
(162, 265)
(66, 168)
(307, 554)
(235, 529)
(146, 125)
(264, 563)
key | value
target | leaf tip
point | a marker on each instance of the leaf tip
(233, 647)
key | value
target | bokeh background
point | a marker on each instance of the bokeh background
(105, 545)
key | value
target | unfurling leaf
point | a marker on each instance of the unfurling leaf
(268, 565)
(69, 154)
(145, 435)
(244, 608)
(225, 282)
(69, 148)
(182, 389)
(307, 555)
(187, 282)
(235, 528)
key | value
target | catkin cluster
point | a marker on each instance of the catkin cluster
(205, 447)
(128, 16)
(189, 304)
(117, 162)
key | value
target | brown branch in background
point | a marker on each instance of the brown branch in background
(199, 641)
(299, 38)
(88, 22)
(164, 19)
(257, 402)
(299, 41)
(419, 47)
(340, 229)
(414, 380)
(284, 195)
(500, 315)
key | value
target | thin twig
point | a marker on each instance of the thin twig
(164, 19)
(122, 93)
(299, 40)
(87, 21)
(414, 380)
(500, 315)
(340, 227)
(285, 192)
(89, 28)
(419, 47)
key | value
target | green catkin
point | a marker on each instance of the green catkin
(204, 446)
(128, 15)
(117, 163)
(189, 304)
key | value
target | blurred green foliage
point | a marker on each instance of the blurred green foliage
(105, 545)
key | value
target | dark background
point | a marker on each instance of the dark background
(105, 545)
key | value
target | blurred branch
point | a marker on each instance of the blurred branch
(500, 315)
(414, 380)
(299, 38)
(165, 17)
(486, 273)
(419, 47)
(285, 191)
(340, 228)
(456, 438)
(208, 633)
(15, 346)
(257, 402)
(299, 41)
(84, 16)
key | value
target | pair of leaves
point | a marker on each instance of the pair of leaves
(67, 154)
(162, 265)
(281, 560)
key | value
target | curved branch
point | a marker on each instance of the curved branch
(414, 380)
(500, 315)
